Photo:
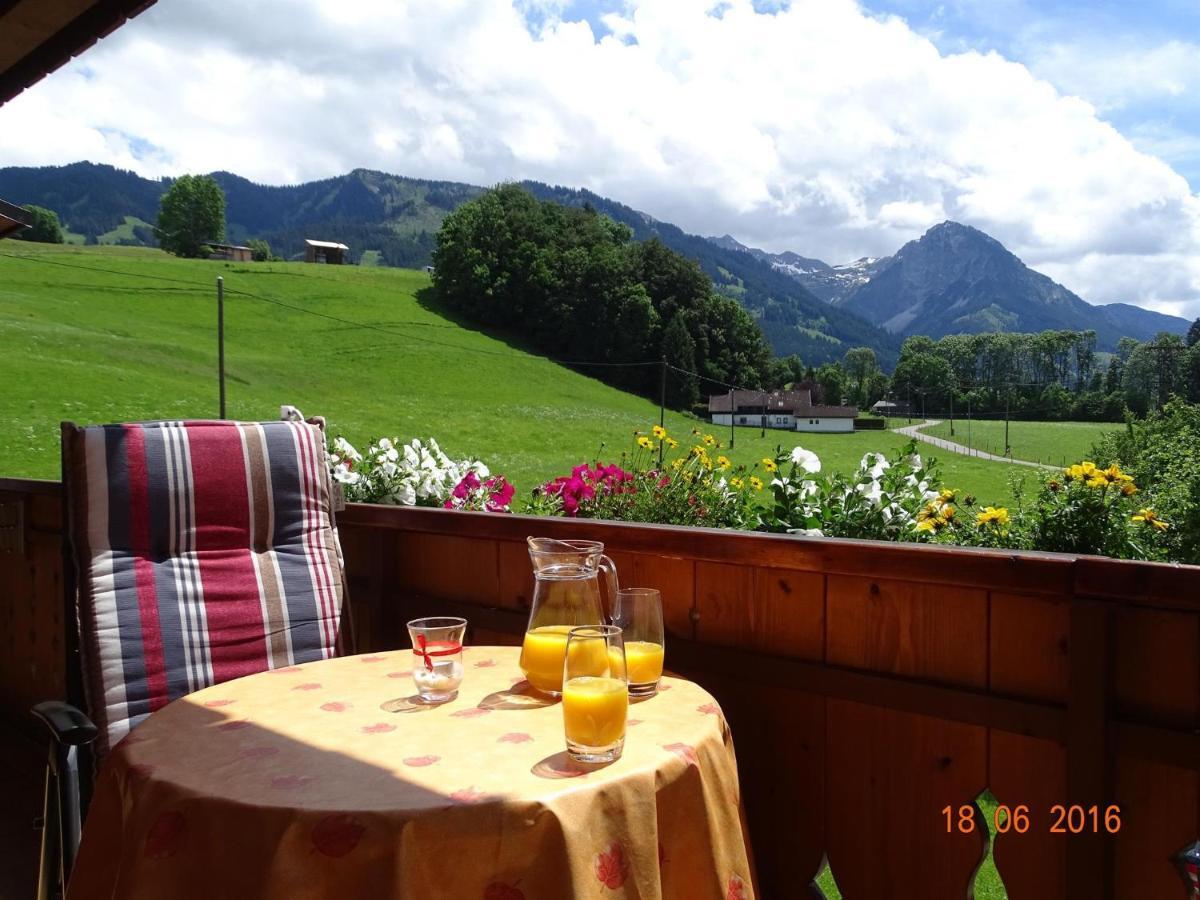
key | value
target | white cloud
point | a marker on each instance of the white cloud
(816, 128)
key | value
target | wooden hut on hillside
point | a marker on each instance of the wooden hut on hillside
(232, 252)
(325, 252)
(13, 219)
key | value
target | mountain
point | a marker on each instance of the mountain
(957, 280)
(394, 220)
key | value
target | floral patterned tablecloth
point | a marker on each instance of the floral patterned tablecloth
(326, 780)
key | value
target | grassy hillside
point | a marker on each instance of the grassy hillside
(1055, 443)
(101, 334)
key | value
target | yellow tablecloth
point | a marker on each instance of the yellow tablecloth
(308, 782)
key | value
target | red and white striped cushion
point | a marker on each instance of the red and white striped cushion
(204, 551)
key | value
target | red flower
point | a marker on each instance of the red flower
(335, 706)
(419, 762)
(371, 659)
(686, 752)
(736, 889)
(286, 669)
(473, 712)
(486, 664)
(213, 704)
(468, 795)
(288, 782)
(235, 725)
(611, 867)
(405, 674)
(499, 891)
(710, 709)
(514, 737)
(166, 835)
(307, 686)
(378, 728)
(337, 835)
(259, 752)
(631, 722)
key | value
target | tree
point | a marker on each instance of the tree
(861, 368)
(260, 250)
(191, 213)
(45, 228)
(923, 377)
(832, 380)
(1193, 334)
(679, 350)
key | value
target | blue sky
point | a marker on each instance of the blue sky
(1053, 38)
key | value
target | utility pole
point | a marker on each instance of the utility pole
(221, 340)
(764, 413)
(731, 418)
(662, 406)
(1007, 448)
(909, 388)
(951, 410)
(968, 421)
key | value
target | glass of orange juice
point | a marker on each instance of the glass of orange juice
(595, 696)
(638, 613)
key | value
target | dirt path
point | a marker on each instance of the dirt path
(914, 431)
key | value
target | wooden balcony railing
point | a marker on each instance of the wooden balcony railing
(868, 686)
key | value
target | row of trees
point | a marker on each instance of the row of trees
(576, 286)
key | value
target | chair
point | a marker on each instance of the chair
(194, 553)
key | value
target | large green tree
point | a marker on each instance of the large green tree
(574, 284)
(861, 369)
(191, 213)
(45, 228)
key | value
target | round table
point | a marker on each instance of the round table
(328, 780)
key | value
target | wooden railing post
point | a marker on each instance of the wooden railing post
(1089, 746)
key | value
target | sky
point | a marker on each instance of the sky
(1067, 129)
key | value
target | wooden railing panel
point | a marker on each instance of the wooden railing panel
(908, 629)
(889, 776)
(1158, 666)
(1029, 646)
(1159, 807)
(774, 610)
(1032, 773)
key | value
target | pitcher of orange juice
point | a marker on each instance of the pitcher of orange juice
(566, 595)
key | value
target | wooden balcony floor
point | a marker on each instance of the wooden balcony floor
(22, 768)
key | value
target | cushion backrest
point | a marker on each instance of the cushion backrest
(204, 551)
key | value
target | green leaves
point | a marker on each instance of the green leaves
(191, 213)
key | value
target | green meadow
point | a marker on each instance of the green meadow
(107, 334)
(1053, 443)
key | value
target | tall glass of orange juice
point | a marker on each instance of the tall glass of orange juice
(595, 695)
(638, 613)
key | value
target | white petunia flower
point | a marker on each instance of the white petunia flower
(806, 459)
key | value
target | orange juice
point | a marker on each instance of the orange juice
(594, 710)
(645, 661)
(544, 652)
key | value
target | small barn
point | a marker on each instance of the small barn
(13, 219)
(231, 252)
(325, 252)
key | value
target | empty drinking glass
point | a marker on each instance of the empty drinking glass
(437, 646)
(638, 613)
(595, 696)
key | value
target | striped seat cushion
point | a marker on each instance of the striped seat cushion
(204, 551)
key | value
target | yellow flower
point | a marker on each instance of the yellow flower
(756, 482)
(695, 431)
(736, 482)
(645, 443)
(672, 443)
(1097, 480)
(948, 512)
(947, 495)
(991, 515)
(1150, 518)
(723, 462)
(927, 525)
(659, 432)
(1080, 471)
(677, 464)
(928, 511)
(769, 464)
(1129, 489)
(710, 441)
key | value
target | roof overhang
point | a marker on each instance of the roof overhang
(42, 35)
(13, 219)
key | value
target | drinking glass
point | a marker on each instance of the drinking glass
(437, 646)
(638, 613)
(595, 695)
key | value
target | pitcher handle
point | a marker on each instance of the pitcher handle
(609, 568)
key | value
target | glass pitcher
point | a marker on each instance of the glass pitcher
(566, 594)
